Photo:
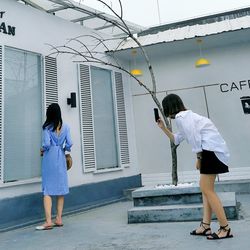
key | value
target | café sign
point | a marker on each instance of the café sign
(5, 28)
(235, 86)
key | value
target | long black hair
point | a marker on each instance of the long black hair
(172, 104)
(53, 116)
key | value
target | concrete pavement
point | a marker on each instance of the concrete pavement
(106, 228)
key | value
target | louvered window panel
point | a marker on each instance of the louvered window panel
(51, 86)
(1, 111)
(22, 119)
(87, 128)
(122, 123)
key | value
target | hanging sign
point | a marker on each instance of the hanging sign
(245, 101)
(5, 28)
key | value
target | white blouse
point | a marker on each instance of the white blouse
(200, 133)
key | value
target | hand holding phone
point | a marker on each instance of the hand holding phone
(156, 112)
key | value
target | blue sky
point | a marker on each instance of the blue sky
(145, 12)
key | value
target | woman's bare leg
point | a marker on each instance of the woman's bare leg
(60, 203)
(207, 210)
(207, 214)
(207, 188)
(47, 203)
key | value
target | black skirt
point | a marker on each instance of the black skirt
(210, 164)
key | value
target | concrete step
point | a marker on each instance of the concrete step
(153, 196)
(180, 212)
(173, 199)
(127, 193)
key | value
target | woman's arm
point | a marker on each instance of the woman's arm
(165, 129)
(68, 142)
(46, 140)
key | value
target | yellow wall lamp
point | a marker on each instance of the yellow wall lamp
(135, 71)
(201, 62)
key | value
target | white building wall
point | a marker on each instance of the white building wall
(229, 64)
(35, 30)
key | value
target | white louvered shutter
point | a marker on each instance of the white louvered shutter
(1, 112)
(51, 85)
(87, 126)
(122, 122)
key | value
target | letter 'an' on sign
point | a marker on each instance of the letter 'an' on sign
(10, 30)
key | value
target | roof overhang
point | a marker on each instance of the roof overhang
(233, 22)
(88, 17)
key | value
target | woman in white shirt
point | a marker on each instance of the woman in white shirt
(212, 159)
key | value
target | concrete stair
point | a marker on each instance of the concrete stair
(174, 204)
(127, 193)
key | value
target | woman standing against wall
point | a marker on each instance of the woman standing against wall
(56, 140)
(212, 159)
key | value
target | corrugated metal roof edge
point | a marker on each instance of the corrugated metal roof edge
(233, 14)
(176, 40)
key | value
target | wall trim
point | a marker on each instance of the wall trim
(80, 198)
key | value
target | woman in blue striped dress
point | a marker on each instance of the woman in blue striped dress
(56, 140)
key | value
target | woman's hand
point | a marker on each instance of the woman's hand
(198, 164)
(161, 123)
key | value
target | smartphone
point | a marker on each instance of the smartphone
(156, 112)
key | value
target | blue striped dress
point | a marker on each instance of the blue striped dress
(54, 169)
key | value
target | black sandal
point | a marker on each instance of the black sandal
(215, 236)
(204, 232)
